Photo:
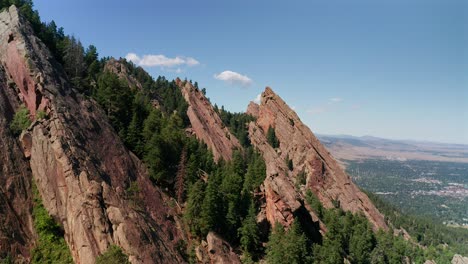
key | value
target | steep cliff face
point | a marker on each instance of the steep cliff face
(16, 232)
(324, 176)
(80, 166)
(206, 123)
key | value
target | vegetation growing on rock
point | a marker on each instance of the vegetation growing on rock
(113, 255)
(20, 121)
(51, 246)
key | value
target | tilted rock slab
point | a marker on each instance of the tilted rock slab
(206, 123)
(324, 176)
(16, 228)
(80, 166)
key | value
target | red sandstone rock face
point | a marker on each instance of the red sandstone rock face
(206, 124)
(324, 176)
(16, 231)
(79, 164)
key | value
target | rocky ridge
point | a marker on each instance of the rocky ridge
(206, 123)
(118, 68)
(297, 142)
(78, 162)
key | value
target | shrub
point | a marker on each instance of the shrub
(20, 121)
(51, 246)
(113, 255)
(41, 115)
(271, 137)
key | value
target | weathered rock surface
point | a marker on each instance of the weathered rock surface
(459, 259)
(16, 231)
(78, 162)
(118, 68)
(324, 176)
(206, 123)
(219, 251)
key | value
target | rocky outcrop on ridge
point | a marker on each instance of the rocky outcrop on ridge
(118, 68)
(206, 124)
(79, 164)
(324, 175)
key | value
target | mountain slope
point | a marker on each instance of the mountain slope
(79, 163)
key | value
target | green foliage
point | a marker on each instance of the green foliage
(51, 246)
(271, 138)
(315, 203)
(7, 260)
(193, 209)
(213, 211)
(116, 99)
(237, 124)
(249, 233)
(287, 247)
(350, 236)
(426, 231)
(41, 114)
(20, 121)
(256, 173)
(225, 203)
(301, 179)
(113, 255)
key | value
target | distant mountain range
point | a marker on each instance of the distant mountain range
(346, 147)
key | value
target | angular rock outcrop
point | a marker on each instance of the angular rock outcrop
(80, 165)
(220, 251)
(121, 70)
(297, 142)
(206, 124)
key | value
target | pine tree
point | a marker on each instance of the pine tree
(194, 207)
(180, 177)
(249, 232)
(271, 138)
(74, 63)
(287, 247)
(212, 208)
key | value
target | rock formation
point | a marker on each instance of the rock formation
(206, 123)
(80, 166)
(118, 68)
(459, 259)
(16, 231)
(297, 142)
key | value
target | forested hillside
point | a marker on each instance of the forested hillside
(224, 197)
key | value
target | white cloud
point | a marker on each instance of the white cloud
(160, 60)
(258, 98)
(233, 78)
(336, 100)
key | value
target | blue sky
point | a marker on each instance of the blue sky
(395, 69)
